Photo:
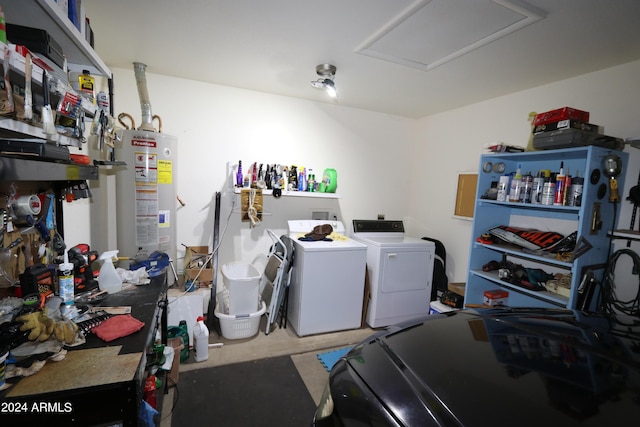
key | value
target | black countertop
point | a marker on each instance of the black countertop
(143, 301)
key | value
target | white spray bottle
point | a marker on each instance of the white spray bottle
(109, 280)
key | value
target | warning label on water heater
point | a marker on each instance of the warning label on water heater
(146, 167)
(165, 172)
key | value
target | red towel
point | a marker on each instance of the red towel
(117, 327)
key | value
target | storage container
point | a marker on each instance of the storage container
(240, 326)
(241, 283)
(201, 340)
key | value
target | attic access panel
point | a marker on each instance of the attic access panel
(432, 32)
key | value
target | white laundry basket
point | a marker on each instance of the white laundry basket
(241, 326)
(241, 283)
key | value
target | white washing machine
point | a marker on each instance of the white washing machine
(327, 281)
(400, 271)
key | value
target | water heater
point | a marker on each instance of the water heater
(146, 193)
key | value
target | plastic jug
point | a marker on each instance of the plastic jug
(201, 340)
(329, 181)
(109, 280)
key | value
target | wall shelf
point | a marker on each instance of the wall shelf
(46, 14)
(15, 129)
(20, 169)
(309, 194)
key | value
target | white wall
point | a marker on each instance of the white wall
(216, 126)
(453, 141)
(405, 169)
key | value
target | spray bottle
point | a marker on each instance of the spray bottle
(65, 280)
(109, 279)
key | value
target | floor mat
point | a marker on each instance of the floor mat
(266, 392)
(329, 358)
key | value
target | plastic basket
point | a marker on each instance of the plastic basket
(241, 326)
(241, 283)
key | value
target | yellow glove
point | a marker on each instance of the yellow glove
(65, 331)
(40, 325)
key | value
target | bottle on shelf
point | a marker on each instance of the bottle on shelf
(538, 186)
(575, 191)
(527, 188)
(503, 188)
(239, 177)
(302, 179)
(549, 190)
(567, 188)
(516, 186)
(559, 190)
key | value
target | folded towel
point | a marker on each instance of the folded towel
(117, 327)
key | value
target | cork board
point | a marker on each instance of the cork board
(466, 194)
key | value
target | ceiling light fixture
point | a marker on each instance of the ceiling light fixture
(325, 82)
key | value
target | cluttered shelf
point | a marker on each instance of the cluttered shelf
(50, 15)
(11, 128)
(544, 295)
(551, 259)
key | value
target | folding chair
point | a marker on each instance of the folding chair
(275, 279)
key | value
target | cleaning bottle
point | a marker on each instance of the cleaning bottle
(201, 340)
(109, 279)
(65, 280)
(302, 179)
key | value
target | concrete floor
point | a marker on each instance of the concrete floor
(279, 342)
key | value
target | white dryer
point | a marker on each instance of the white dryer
(400, 270)
(326, 291)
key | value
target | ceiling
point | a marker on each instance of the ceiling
(409, 58)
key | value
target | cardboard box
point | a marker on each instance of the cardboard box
(495, 297)
(458, 288)
(174, 373)
(561, 114)
(194, 259)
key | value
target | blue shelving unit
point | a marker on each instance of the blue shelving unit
(592, 221)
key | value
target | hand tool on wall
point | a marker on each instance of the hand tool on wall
(5, 258)
(48, 126)
(634, 197)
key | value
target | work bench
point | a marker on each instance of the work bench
(97, 383)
